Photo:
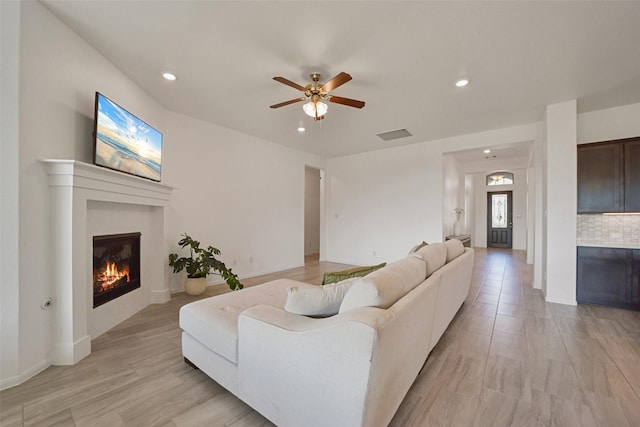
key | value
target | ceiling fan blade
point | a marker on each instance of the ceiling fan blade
(291, 101)
(290, 83)
(347, 101)
(338, 80)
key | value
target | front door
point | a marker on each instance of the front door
(499, 222)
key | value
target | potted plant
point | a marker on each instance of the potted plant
(199, 264)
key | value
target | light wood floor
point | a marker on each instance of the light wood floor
(508, 358)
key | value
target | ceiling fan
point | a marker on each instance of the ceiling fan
(316, 92)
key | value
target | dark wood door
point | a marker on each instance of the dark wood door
(600, 178)
(499, 219)
(605, 276)
(632, 176)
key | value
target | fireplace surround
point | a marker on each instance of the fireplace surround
(79, 192)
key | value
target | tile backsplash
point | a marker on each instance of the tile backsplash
(607, 229)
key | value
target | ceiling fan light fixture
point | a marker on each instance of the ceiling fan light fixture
(315, 109)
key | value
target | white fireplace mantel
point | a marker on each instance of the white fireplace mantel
(73, 184)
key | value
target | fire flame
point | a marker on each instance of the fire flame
(110, 275)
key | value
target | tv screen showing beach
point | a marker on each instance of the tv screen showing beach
(126, 143)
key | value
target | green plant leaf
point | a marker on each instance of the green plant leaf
(202, 262)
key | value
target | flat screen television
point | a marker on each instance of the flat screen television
(125, 143)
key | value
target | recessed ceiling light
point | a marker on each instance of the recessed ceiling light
(487, 151)
(301, 129)
(169, 76)
(462, 83)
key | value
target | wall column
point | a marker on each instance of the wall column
(561, 201)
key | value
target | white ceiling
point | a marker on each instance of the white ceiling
(404, 58)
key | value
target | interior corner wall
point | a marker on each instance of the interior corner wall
(312, 211)
(451, 194)
(9, 191)
(539, 245)
(561, 160)
(240, 194)
(469, 205)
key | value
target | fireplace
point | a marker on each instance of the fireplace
(116, 266)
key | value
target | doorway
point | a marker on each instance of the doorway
(312, 203)
(499, 219)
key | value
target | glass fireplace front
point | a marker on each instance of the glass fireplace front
(116, 266)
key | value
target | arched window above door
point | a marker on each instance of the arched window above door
(500, 178)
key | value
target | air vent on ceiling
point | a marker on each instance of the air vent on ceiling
(394, 134)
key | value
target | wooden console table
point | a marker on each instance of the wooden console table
(464, 238)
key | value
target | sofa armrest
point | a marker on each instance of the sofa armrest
(297, 371)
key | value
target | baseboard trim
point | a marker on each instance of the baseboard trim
(161, 296)
(70, 354)
(24, 376)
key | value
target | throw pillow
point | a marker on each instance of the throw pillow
(337, 276)
(318, 301)
(417, 247)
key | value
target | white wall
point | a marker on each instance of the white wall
(241, 194)
(451, 195)
(9, 196)
(562, 195)
(312, 211)
(382, 203)
(609, 124)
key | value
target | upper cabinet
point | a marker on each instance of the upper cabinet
(609, 176)
(632, 176)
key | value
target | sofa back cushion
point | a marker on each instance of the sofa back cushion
(455, 248)
(317, 301)
(384, 287)
(434, 256)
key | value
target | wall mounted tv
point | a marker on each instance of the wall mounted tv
(125, 143)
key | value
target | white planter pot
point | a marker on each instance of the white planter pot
(195, 286)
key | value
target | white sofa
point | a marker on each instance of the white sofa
(350, 369)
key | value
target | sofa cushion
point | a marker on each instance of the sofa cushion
(379, 289)
(455, 248)
(434, 256)
(318, 301)
(214, 321)
(337, 276)
(418, 247)
(384, 287)
(411, 270)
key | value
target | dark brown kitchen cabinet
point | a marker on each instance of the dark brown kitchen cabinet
(609, 176)
(600, 178)
(632, 176)
(608, 276)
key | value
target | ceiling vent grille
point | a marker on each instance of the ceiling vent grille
(394, 134)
